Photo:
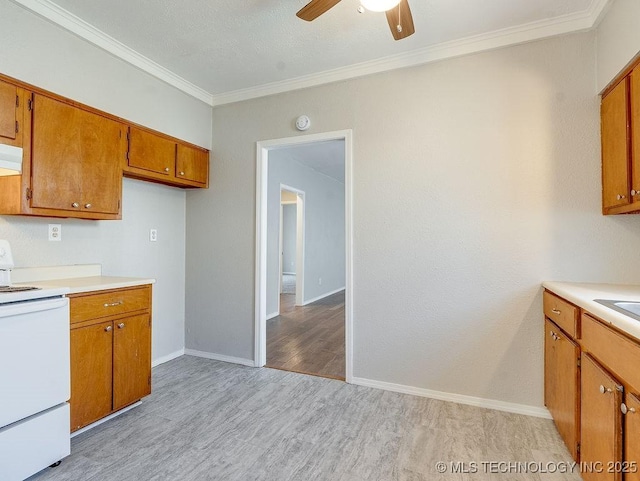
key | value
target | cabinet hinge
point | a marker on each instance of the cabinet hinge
(620, 388)
(17, 101)
(579, 361)
(17, 127)
(578, 448)
(29, 194)
(30, 104)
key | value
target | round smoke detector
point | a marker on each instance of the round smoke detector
(303, 122)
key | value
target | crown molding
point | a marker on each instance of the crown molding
(574, 22)
(65, 19)
(478, 43)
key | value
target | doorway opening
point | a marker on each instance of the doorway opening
(304, 255)
(291, 243)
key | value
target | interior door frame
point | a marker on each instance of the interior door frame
(262, 171)
(300, 242)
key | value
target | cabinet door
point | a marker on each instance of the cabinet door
(76, 159)
(561, 385)
(615, 146)
(192, 164)
(103, 148)
(131, 360)
(635, 133)
(151, 152)
(56, 155)
(91, 373)
(632, 438)
(601, 426)
(10, 115)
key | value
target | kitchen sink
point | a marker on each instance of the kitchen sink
(629, 308)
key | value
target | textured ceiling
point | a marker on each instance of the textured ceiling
(227, 45)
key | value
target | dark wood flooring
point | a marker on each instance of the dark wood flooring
(308, 339)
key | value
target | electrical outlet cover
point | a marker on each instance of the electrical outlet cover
(55, 232)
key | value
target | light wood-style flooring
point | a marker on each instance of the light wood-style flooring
(308, 339)
(209, 420)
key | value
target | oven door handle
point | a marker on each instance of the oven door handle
(27, 307)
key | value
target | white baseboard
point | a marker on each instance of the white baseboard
(105, 419)
(272, 315)
(167, 358)
(315, 299)
(539, 412)
(220, 357)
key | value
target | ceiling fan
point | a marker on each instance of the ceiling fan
(398, 13)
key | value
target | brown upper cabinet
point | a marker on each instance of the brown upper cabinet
(192, 164)
(74, 156)
(71, 163)
(74, 160)
(159, 158)
(11, 114)
(620, 132)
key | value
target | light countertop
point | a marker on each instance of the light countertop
(583, 295)
(77, 285)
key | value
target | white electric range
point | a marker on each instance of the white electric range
(34, 375)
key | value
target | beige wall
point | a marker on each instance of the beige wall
(475, 179)
(618, 39)
(36, 51)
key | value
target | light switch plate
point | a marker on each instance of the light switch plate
(153, 235)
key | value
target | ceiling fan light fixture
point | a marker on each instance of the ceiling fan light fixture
(379, 5)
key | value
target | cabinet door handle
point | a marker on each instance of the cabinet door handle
(121, 325)
(113, 304)
(626, 410)
(181, 173)
(620, 196)
(556, 311)
(87, 206)
(108, 328)
(605, 390)
(166, 169)
(75, 205)
(635, 192)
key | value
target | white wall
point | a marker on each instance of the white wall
(289, 214)
(324, 227)
(618, 39)
(475, 179)
(37, 52)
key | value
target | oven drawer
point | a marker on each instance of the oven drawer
(31, 445)
(109, 303)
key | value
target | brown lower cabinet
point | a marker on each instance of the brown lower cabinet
(594, 402)
(600, 423)
(562, 386)
(110, 353)
(632, 435)
(91, 373)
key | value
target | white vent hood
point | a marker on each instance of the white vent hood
(10, 160)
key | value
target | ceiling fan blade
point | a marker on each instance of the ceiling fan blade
(315, 8)
(401, 15)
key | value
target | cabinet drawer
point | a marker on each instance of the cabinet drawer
(620, 354)
(565, 315)
(109, 303)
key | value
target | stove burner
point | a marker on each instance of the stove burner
(17, 288)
